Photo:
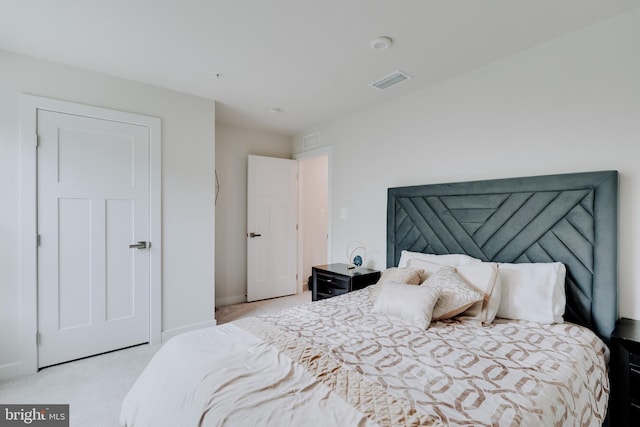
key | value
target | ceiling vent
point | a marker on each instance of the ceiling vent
(390, 80)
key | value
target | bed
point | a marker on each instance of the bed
(352, 361)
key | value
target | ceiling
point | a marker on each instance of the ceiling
(311, 59)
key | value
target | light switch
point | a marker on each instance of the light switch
(343, 213)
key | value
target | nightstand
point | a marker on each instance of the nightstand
(337, 279)
(625, 373)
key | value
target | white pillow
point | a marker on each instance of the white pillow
(533, 291)
(450, 259)
(456, 295)
(413, 304)
(483, 277)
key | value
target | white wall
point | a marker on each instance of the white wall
(188, 150)
(570, 105)
(233, 146)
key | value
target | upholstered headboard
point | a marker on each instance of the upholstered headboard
(571, 218)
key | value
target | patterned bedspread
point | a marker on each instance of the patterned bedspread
(456, 373)
(335, 363)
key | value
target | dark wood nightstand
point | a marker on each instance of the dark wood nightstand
(625, 373)
(336, 279)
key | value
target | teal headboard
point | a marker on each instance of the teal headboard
(571, 218)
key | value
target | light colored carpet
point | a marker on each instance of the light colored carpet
(237, 311)
(95, 387)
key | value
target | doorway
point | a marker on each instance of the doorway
(97, 125)
(314, 237)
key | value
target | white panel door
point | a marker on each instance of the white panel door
(93, 203)
(272, 215)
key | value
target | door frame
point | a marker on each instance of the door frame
(28, 253)
(318, 152)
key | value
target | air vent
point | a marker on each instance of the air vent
(390, 80)
(311, 141)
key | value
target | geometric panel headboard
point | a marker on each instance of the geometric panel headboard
(571, 218)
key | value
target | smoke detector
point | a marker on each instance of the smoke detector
(381, 43)
(390, 80)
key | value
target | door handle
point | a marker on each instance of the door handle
(254, 235)
(140, 245)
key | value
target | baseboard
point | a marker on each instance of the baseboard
(222, 301)
(170, 333)
(10, 370)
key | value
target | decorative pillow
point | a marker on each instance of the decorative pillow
(413, 304)
(406, 275)
(486, 278)
(533, 291)
(455, 294)
(483, 277)
(449, 259)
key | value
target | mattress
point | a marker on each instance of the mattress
(334, 362)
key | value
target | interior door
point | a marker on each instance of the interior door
(93, 204)
(272, 214)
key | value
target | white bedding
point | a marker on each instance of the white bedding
(227, 376)
(334, 362)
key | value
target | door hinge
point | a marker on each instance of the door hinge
(38, 338)
(37, 140)
(38, 240)
(296, 227)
